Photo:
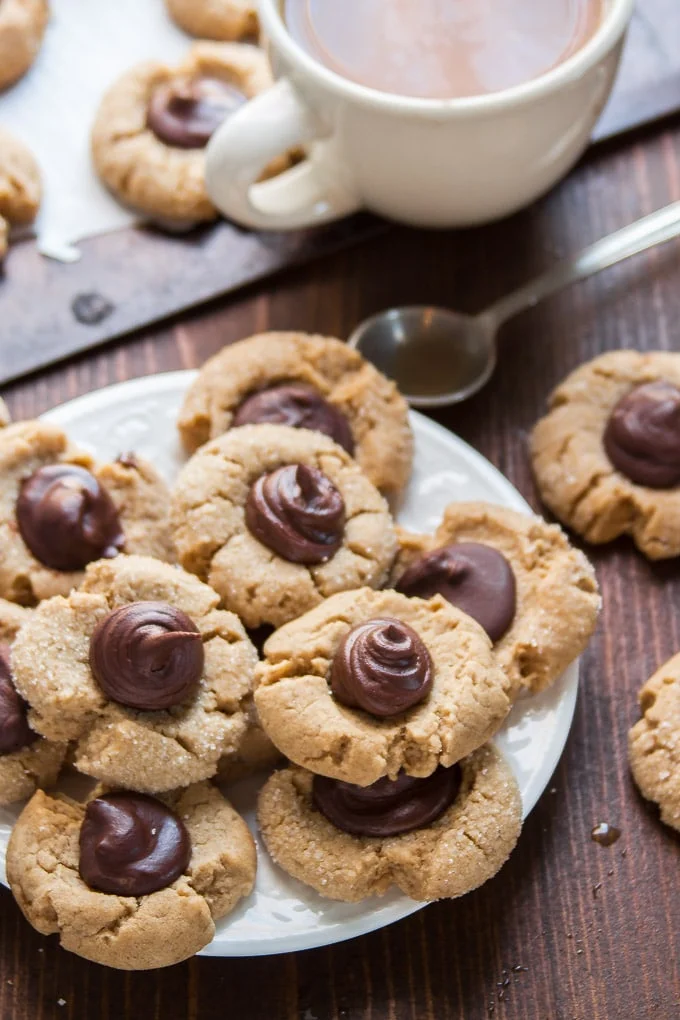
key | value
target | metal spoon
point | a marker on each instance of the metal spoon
(440, 357)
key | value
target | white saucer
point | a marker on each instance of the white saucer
(282, 915)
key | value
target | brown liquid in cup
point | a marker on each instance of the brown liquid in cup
(442, 49)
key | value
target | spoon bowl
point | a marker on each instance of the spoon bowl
(435, 356)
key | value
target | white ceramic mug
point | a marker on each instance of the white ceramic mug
(428, 162)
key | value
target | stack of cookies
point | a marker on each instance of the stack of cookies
(268, 608)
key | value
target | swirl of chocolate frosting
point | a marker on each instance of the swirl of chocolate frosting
(300, 407)
(147, 655)
(473, 577)
(642, 437)
(185, 112)
(132, 845)
(15, 733)
(298, 513)
(66, 518)
(388, 807)
(383, 667)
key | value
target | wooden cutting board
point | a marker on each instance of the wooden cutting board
(130, 278)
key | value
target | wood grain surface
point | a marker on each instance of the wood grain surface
(596, 931)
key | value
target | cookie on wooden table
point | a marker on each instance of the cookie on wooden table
(372, 682)
(607, 455)
(305, 381)
(152, 127)
(654, 742)
(535, 595)
(142, 671)
(22, 25)
(59, 511)
(433, 838)
(276, 519)
(20, 188)
(228, 20)
(27, 761)
(127, 880)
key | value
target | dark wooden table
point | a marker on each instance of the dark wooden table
(596, 931)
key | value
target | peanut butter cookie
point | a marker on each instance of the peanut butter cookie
(305, 381)
(22, 25)
(20, 188)
(150, 134)
(27, 761)
(228, 20)
(127, 880)
(654, 742)
(434, 838)
(276, 519)
(59, 511)
(371, 683)
(534, 594)
(142, 670)
(607, 455)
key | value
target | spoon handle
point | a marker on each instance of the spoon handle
(657, 228)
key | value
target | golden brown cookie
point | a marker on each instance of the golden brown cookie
(374, 411)
(158, 175)
(654, 742)
(22, 24)
(555, 603)
(138, 931)
(20, 188)
(304, 705)
(228, 20)
(598, 413)
(459, 851)
(27, 762)
(227, 496)
(82, 681)
(128, 502)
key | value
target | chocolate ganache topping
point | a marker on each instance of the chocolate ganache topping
(132, 845)
(185, 112)
(299, 406)
(388, 807)
(383, 667)
(297, 512)
(642, 437)
(473, 577)
(15, 732)
(66, 518)
(147, 655)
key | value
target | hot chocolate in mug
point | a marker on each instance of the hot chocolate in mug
(431, 162)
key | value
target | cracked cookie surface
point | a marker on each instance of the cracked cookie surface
(138, 493)
(654, 742)
(557, 595)
(458, 852)
(143, 171)
(20, 187)
(228, 20)
(575, 476)
(22, 25)
(467, 704)
(38, 764)
(127, 932)
(213, 541)
(376, 412)
(148, 751)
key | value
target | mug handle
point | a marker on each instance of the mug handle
(241, 148)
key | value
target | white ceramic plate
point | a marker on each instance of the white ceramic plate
(282, 915)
